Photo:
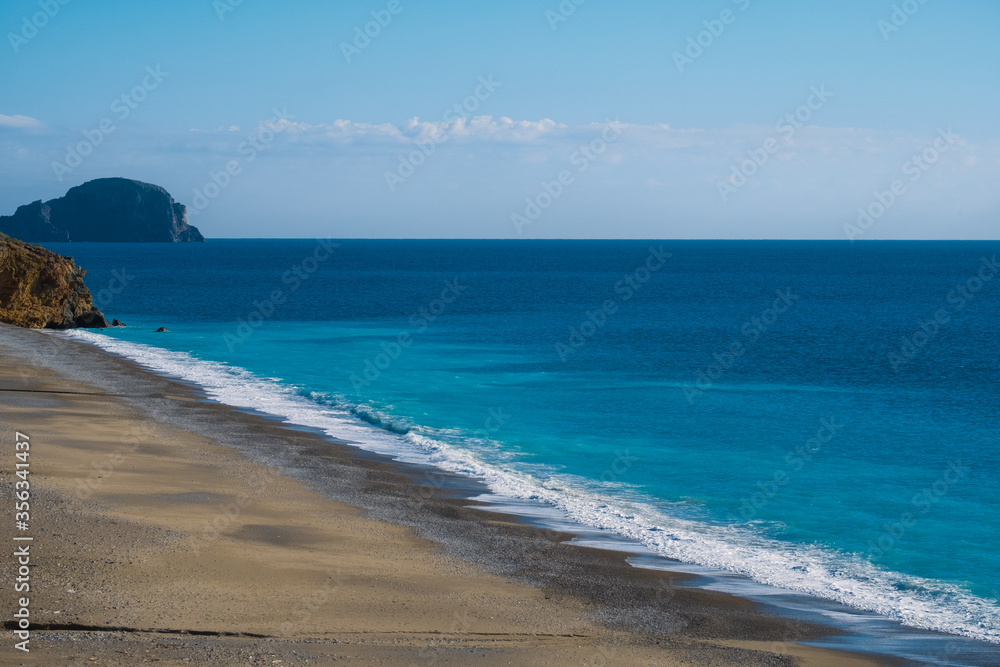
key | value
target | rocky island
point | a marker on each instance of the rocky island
(105, 209)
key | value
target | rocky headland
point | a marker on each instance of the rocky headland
(107, 210)
(40, 289)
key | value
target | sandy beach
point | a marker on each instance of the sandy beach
(169, 529)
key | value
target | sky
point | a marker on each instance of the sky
(522, 119)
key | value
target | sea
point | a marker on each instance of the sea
(812, 424)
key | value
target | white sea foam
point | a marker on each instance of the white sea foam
(846, 578)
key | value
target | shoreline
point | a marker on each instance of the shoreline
(606, 602)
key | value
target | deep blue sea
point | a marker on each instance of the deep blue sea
(822, 417)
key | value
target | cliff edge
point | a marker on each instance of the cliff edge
(39, 288)
(106, 209)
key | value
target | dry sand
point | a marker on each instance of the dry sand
(161, 536)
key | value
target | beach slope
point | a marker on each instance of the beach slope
(169, 529)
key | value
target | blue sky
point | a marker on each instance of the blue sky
(597, 120)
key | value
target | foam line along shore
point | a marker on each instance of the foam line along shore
(171, 463)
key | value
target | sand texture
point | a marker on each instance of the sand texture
(171, 530)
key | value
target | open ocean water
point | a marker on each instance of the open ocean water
(820, 417)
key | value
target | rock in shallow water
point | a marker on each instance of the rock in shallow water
(92, 319)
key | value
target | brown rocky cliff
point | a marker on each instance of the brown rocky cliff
(39, 288)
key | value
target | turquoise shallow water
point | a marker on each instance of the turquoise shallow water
(817, 416)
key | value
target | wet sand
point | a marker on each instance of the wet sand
(170, 529)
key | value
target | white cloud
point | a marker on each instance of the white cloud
(656, 179)
(21, 122)
(477, 127)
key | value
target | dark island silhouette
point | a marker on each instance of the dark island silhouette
(104, 210)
